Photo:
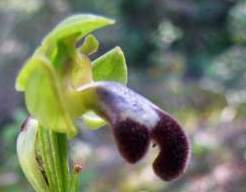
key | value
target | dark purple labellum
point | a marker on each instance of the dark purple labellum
(174, 148)
(132, 139)
(135, 121)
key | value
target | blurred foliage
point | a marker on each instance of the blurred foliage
(237, 22)
(187, 56)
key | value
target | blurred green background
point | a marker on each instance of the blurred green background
(187, 56)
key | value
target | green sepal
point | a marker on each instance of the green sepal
(44, 97)
(76, 25)
(24, 74)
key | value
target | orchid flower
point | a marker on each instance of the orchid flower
(61, 84)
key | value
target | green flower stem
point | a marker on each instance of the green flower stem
(55, 160)
(63, 158)
(74, 180)
(53, 148)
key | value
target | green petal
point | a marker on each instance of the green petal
(44, 98)
(90, 45)
(109, 67)
(80, 25)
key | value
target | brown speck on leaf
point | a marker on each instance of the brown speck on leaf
(41, 166)
(23, 126)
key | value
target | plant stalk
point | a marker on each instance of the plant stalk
(53, 152)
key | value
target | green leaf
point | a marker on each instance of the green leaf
(27, 155)
(44, 99)
(110, 67)
(90, 45)
(78, 25)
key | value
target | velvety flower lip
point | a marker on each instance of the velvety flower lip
(135, 121)
(132, 139)
(174, 148)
